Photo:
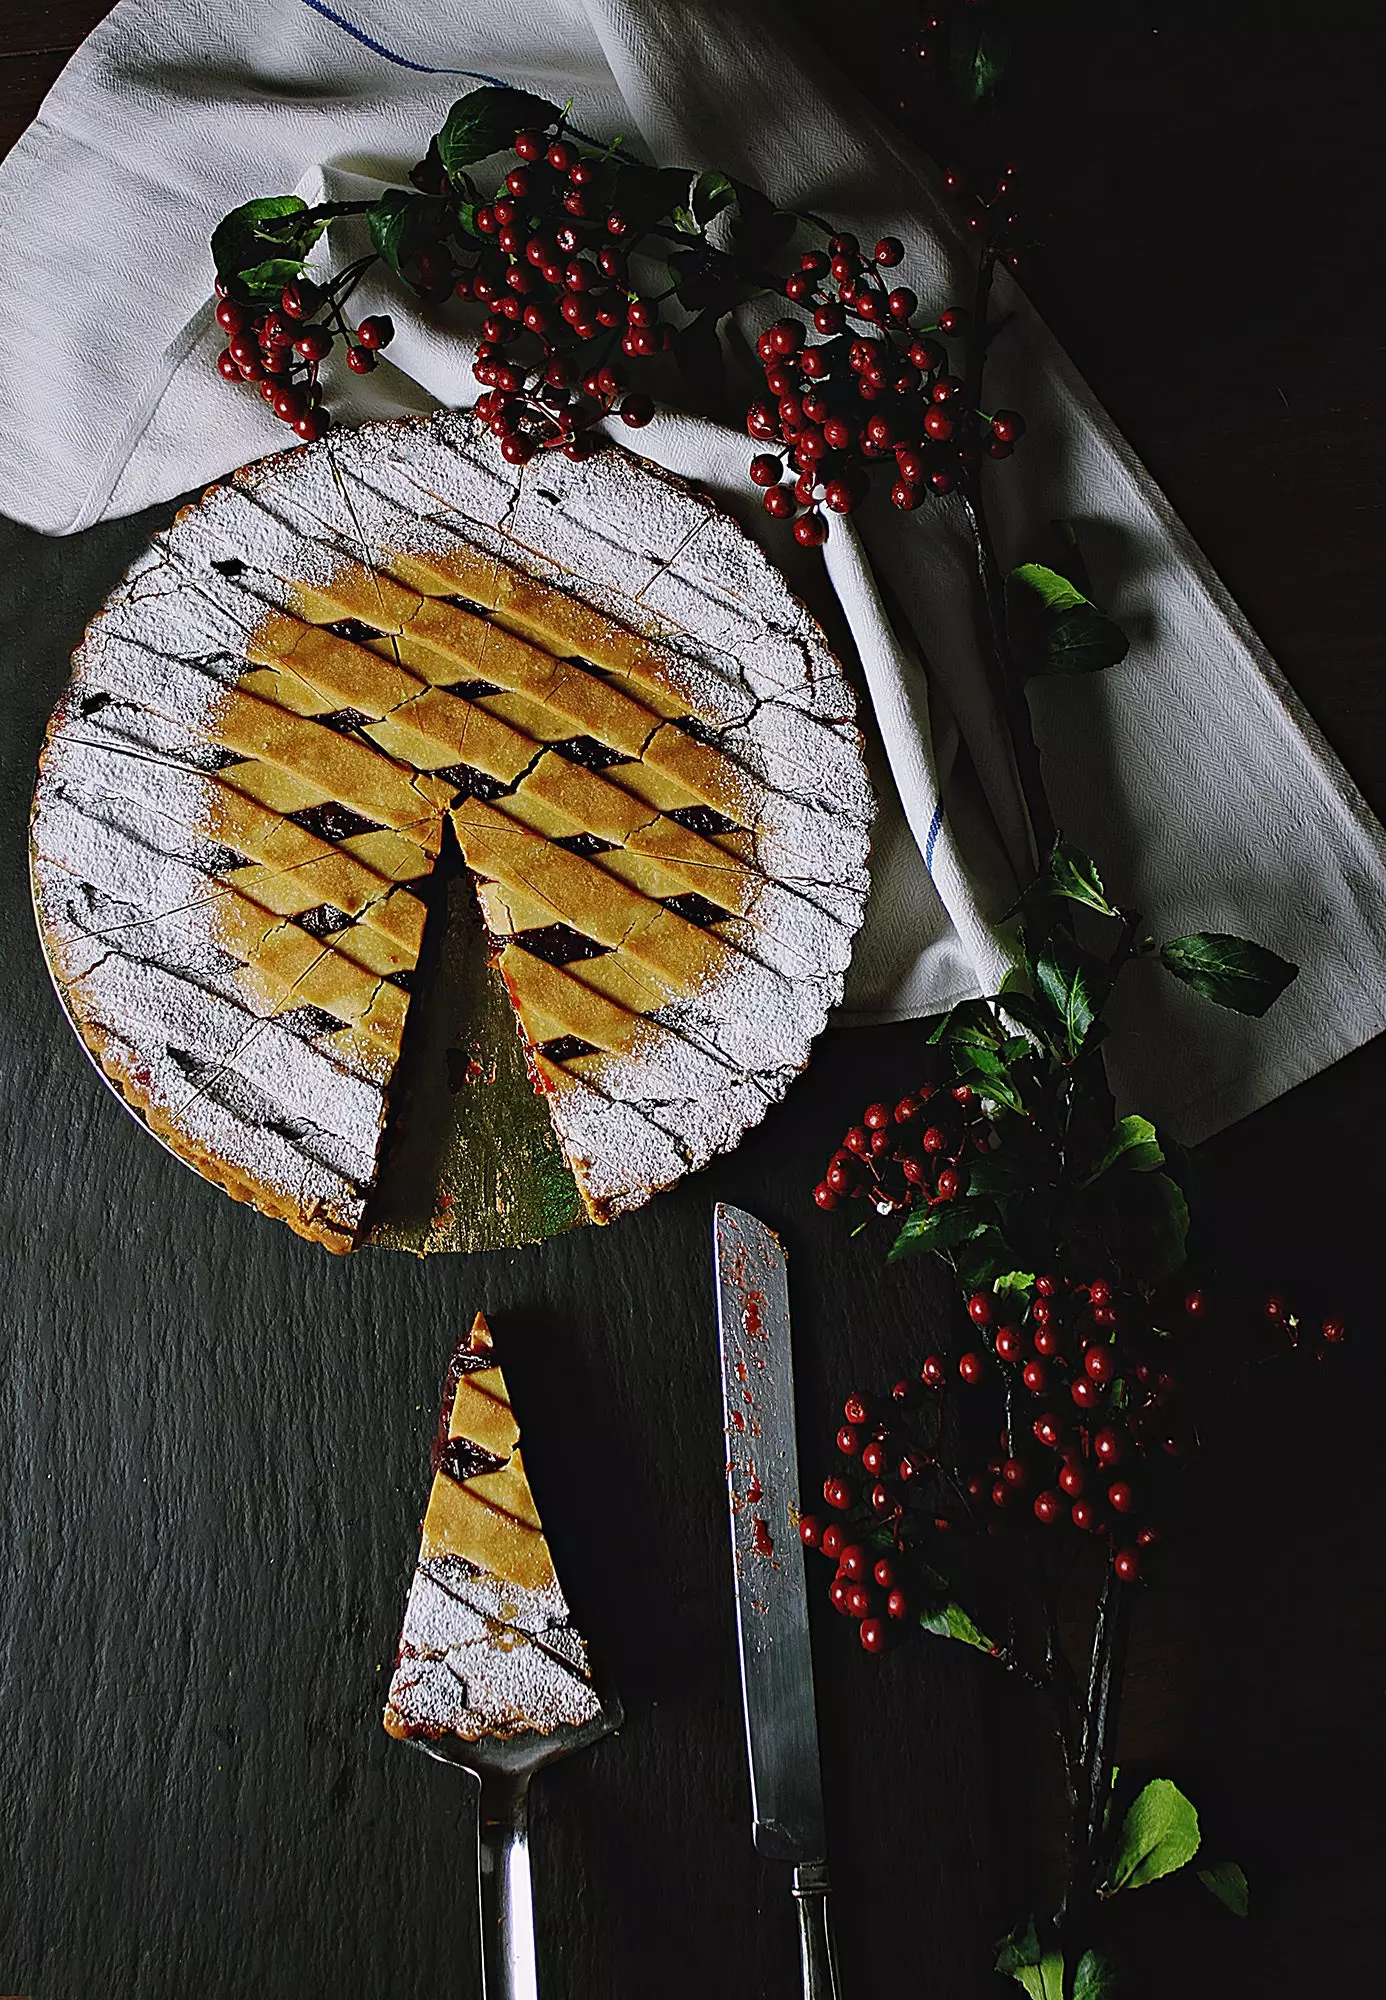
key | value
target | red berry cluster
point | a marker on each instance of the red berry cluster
(549, 265)
(990, 219)
(917, 1152)
(281, 348)
(553, 265)
(873, 1587)
(876, 387)
(1087, 1453)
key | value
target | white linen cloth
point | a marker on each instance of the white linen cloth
(1190, 770)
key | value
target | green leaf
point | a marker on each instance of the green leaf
(1230, 971)
(712, 192)
(260, 246)
(1227, 1881)
(1132, 1146)
(706, 282)
(1084, 642)
(1078, 638)
(1158, 1835)
(1074, 875)
(402, 224)
(977, 60)
(950, 1621)
(1031, 1014)
(267, 280)
(941, 1228)
(1054, 592)
(1150, 1223)
(485, 121)
(646, 195)
(971, 1022)
(759, 229)
(1020, 1948)
(999, 1173)
(1075, 988)
(985, 1254)
(1019, 1282)
(988, 1073)
(701, 361)
(1094, 1978)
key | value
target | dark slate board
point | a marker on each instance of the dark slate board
(215, 1457)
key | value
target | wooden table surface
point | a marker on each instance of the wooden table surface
(1207, 198)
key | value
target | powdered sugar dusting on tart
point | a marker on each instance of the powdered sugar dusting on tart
(483, 1657)
(125, 847)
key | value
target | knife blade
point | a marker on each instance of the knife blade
(768, 1567)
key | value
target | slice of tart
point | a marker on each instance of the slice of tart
(359, 665)
(488, 1646)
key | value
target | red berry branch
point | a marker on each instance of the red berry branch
(558, 259)
(1055, 1426)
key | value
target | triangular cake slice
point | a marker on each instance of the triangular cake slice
(488, 1647)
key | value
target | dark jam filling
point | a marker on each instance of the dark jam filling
(585, 843)
(468, 604)
(471, 783)
(566, 1048)
(333, 821)
(695, 909)
(354, 629)
(558, 944)
(462, 1460)
(473, 690)
(701, 819)
(310, 1021)
(221, 860)
(325, 920)
(592, 755)
(345, 720)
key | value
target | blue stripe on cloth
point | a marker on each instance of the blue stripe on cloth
(379, 48)
(427, 69)
(935, 828)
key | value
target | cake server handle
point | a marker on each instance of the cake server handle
(509, 1970)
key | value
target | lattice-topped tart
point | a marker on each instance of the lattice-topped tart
(488, 1647)
(358, 669)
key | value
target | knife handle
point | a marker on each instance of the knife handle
(509, 1970)
(816, 1954)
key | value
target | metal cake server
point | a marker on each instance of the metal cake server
(768, 1559)
(502, 1768)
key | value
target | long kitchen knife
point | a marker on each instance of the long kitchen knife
(768, 1559)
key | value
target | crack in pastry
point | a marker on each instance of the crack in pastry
(648, 763)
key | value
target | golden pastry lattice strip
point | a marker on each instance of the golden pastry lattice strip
(547, 617)
(553, 1005)
(466, 646)
(437, 730)
(342, 765)
(587, 898)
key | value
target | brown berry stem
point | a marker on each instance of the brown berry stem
(1105, 1674)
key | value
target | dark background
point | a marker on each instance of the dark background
(213, 1437)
